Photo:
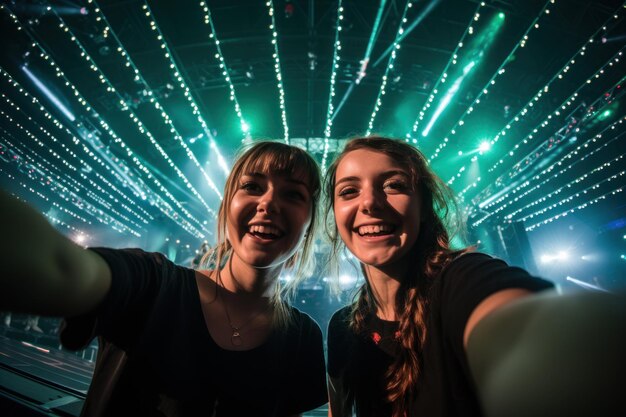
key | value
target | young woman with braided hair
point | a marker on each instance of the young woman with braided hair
(403, 347)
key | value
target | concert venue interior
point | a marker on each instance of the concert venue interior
(120, 119)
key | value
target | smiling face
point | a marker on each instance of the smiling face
(270, 202)
(376, 207)
(267, 218)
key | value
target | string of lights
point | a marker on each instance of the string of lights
(65, 162)
(59, 73)
(176, 71)
(89, 208)
(534, 25)
(36, 169)
(572, 154)
(138, 77)
(572, 210)
(77, 143)
(33, 169)
(572, 197)
(566, 186)
(68, 182)
(54, 220)
(572, 129)
(568, 102)
(64, 193)
(333, 76)
(572, 123)
(546, 88)
(245, 127)
(469, 30)
(279, 77)
(392, 58)
(79, 187)
(142, 127)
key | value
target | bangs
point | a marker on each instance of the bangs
(283, 160)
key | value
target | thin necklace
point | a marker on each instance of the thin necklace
(235, 337)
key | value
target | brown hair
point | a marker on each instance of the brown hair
(431, 252)
(277, 158)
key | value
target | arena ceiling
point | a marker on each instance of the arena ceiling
(144, 103)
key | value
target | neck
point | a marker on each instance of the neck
(245, 280)
(385, 283)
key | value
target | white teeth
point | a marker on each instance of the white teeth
(374, 229)
(265, 229)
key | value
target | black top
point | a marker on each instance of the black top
(157, 358)
(357, 363)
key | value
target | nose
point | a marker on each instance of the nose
(370, 201)
(268, 202)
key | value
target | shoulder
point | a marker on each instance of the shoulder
(303, 323)
(340, 321)
(473, 268)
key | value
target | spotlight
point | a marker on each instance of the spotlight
(484, 146)
(347, 279)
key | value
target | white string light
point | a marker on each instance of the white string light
(546, 88)
(574, 154)
(501, 70)
(77, 143)
(564, 187)
(142, 127)
(279, 77)
(579, 207)
(444, 74)
(245, 127)
(59, 73)
(390, 62)
(568, 102)
(176, 71)
(333, 75)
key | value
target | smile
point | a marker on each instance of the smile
(375, 230)
(265, 231)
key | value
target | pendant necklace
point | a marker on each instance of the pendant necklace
(235, 337)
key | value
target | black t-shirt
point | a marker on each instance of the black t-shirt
(357, 363)
(157, 358)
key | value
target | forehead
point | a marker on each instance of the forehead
(365, 163)
(282, 167)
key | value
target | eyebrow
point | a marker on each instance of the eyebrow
(287, 178)
(385, 175)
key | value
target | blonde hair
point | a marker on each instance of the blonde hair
(277, 158)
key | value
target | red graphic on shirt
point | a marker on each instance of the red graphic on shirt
(376, 337)
(397, 334)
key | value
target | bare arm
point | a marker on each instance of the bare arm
(549, 354)
(42, 272)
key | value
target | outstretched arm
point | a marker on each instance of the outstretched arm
(550, 354)
(43, 272)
